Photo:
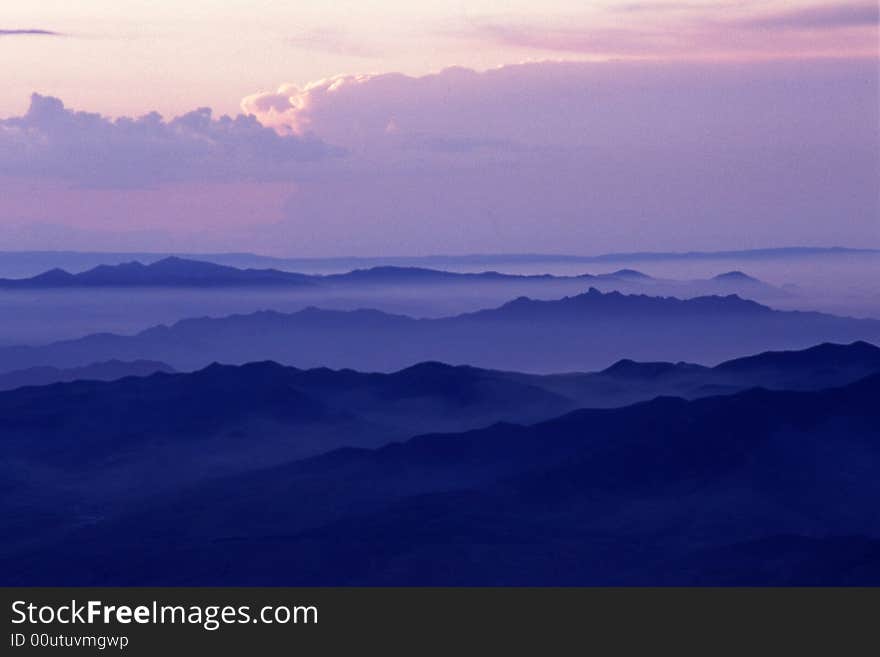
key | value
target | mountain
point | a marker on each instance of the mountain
(761, 487)
(173, 271)
(106, 371)
(28, 263)
(629, 274)
(180, 272)
(735, 277)
(101, 446)
(168, 272)
(394, 275)
(831, 363)
(737, 282)
(587, 331)
(822, 366)
(628, 381)
(263, 399)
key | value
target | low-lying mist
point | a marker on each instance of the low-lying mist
(843, 284)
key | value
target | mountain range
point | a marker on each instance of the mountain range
(175, 272)
(754, 488)
(582, 332)
(82, 452)
(168, 272)
(28, 263)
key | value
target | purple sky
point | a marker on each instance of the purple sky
(659, 126)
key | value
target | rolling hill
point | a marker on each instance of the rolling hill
(760, 487)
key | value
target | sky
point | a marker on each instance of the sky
(392, 127)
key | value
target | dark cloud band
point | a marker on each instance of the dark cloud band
(29, 33)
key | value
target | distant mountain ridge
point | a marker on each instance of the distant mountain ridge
(174, 271)
(184, 273)
(626, 381)
(28, 263)
(595, 301)
(397, 274)
(171, 271)
(582, 332)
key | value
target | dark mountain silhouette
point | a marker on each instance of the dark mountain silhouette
(127, 439)
(104, 444)
(395, 275)
(628, 381)
(630, 369)
(597, 305)
(260, 399)
(174, 271)
(735, 276)
(180, 272)
(168, 272)
(630, 274)
(106, 371)
(761, 487)
(587, 331)
(831, 363)
(392, 275)
(26, 262)
(739, 283)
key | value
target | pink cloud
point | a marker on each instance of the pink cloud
(587, 156)
(88, 149)
(553, 156)
(693, 31)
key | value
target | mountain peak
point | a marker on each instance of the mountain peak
(626, 368)
(55, 275)
(822, 356)
(735, 276)
(631, 274)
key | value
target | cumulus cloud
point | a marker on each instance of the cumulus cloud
(586, 156)
(88, 149)
(369, 113)
(568, 105)
(545, 156)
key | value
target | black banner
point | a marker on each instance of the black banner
(268, 621)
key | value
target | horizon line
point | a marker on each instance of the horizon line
(781, 250)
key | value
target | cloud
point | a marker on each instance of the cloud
(582, 156)
(29, 33)
(544, 156)
(372, 113)
(92, 150)
(564, 104)
(570, 38)
(830, 17)
(690, 31)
